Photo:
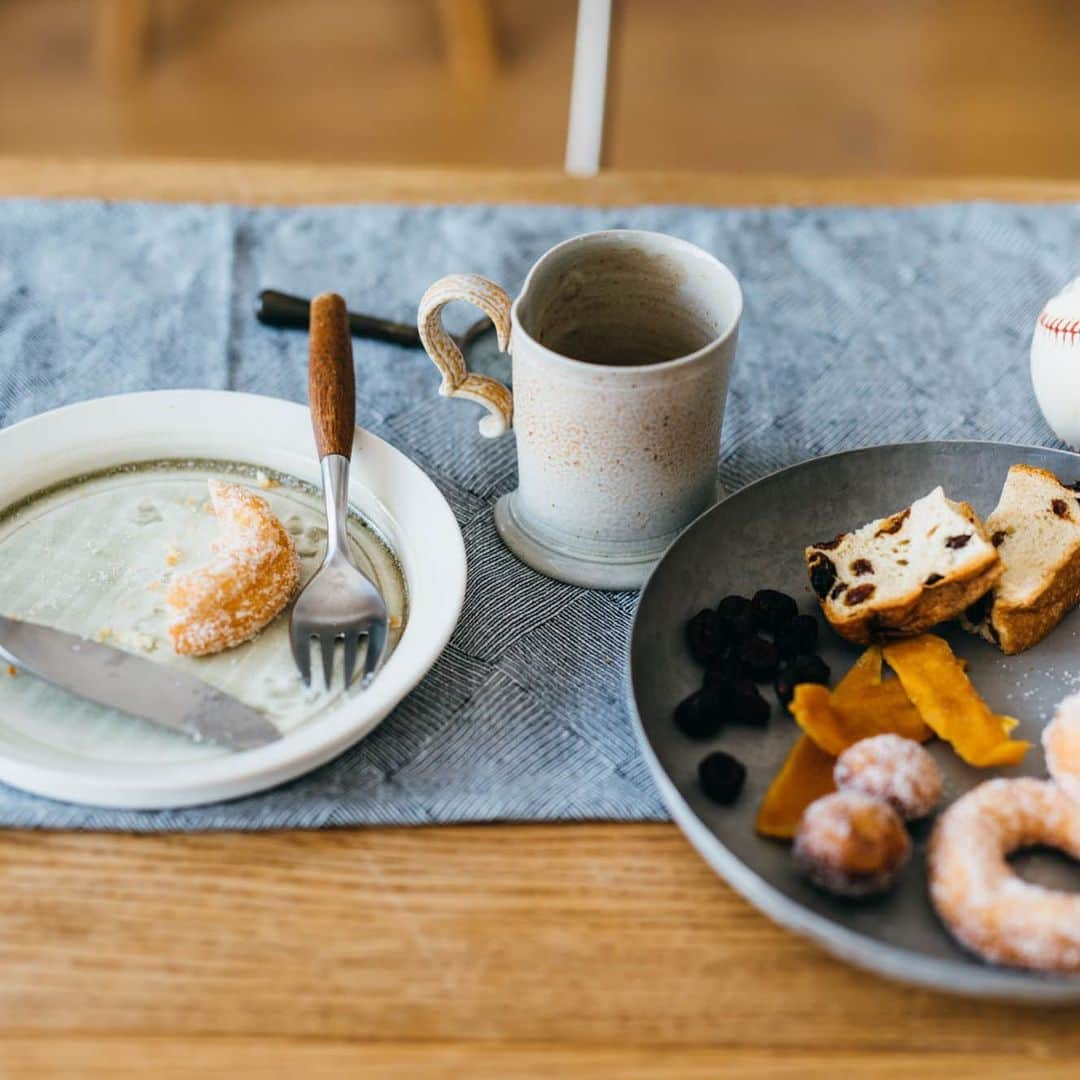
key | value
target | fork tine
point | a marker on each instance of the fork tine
(376, 639)
(352, 642)
(301, 650)
(327, 642)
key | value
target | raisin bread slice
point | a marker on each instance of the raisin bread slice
(1036, 528)
(903, 574)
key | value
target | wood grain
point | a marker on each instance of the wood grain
(864, 86)
(593, 934)
(292, 184)
(584, 950)
(165, 1059)
(331, 376)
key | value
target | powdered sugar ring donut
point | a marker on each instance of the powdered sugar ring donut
(1061, 743)
(985, 905)
(851, 844)
(892, 768)
(245, 585)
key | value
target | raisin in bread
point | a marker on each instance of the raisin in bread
(905, 573)
(1036, 528)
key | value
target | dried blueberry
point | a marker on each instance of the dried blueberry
(701, 715)
(747, 705)
(799, 636)
(724, 670)
(736, 615)
(759, 657)
(803, 669)
(722, 777)
(706, 636)
(772, 609)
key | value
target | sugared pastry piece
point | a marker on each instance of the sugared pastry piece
(1061, 744)
(851, 844)
(1036, 529)
(903, 574)
(894, 769)
(984, 904)
(246, 584)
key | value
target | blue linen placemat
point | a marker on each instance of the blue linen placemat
(861, 326)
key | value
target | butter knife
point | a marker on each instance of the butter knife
(120, 680)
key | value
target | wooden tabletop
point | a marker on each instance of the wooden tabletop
(479, 951)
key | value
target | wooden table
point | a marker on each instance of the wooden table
(494, 951)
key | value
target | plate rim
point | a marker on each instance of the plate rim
(325, 736)
(972, 978)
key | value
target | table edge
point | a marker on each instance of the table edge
(262, 183)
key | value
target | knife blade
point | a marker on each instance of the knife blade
(120, 680)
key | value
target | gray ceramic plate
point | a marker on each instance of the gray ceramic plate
(755, 539)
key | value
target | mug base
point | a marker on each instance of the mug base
(616, 571)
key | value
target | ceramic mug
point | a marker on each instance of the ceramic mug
(621, 343)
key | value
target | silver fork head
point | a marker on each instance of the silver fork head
(339, 603)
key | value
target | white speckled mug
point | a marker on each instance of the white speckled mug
(622, 343)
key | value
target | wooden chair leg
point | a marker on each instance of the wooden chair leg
(120, 46)
(588, 91)
(468, 28)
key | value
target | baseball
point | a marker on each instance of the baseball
(1055, 363)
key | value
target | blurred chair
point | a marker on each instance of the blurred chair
(588, 90)
(124, 30)
(120, 46)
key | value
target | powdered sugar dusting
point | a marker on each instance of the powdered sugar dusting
(251, 579)
(1061, 743)
(892, 768)
(978, 895)
(851, 844)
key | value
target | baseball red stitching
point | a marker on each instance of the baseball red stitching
(1061, 328)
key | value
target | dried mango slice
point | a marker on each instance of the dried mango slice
(936, 684)
(813, 711)
(806, 775)
(866, 671)
(838, 720)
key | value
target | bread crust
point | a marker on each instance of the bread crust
(1017, 627)
(919, 610)
(923, 606)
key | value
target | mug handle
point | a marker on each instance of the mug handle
(457, 380)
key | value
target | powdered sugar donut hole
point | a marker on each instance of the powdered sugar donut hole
(851, 844)
(1061, 744)
(892, 768)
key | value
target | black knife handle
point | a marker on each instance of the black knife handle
(294, 312)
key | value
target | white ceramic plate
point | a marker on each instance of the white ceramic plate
(388, 491)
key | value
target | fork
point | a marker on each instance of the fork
(340, 602)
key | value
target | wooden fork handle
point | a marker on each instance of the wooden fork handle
(331, 379)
